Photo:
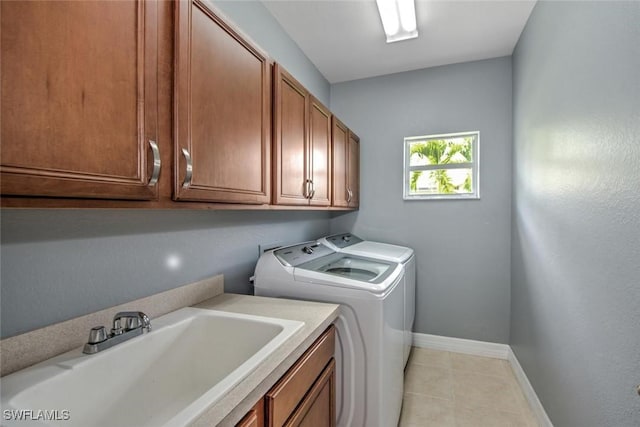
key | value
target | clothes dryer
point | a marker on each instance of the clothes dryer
(369, 350)
(352, 244)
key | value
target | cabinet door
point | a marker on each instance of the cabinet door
(222, 111)
(320, 151)
(255, 417)
(340, 166)
(354, 170)
(318, 408)
(79, 99)
(288, 395)
(291, 159)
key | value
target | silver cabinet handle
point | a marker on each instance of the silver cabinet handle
(189, 171)
(349, 196)
(313, 190)
(155, 174)
(307, 189)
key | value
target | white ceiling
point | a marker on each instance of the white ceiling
(345, 40)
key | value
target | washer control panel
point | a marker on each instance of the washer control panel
(343, 240)
(301, 253)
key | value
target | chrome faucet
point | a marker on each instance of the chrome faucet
(126, 325)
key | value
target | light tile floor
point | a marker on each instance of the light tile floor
(444, 389)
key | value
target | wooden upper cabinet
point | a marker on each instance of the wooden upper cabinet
(320, 154)
(346, 166)
(302, 144)
(354, 170)
(79, 102)
(291, 134)
(340, 164)
(222, 96)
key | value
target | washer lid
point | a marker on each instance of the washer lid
(377, 250)
(350, 267)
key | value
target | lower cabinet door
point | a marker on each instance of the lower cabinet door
(249, 420)
(255, 417)
(318, 408)
(293, 396)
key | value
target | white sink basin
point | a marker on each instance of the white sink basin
(167, 377)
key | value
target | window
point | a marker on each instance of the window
(441, 166)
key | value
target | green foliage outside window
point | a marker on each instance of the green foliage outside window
(442, 152)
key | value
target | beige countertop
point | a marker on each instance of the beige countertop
(316, 317)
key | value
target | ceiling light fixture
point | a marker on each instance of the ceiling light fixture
(398, 19)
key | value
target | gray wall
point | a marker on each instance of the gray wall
(257, 22)
(462, 247)
(58, 264)
(575, 324)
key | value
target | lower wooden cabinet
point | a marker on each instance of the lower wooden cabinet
(305, 395)
(255, 417)
(318, 408)
(284, 399)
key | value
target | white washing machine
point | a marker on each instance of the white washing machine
(369, 350)
(351, 244)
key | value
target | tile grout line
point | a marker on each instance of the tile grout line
(430, 397)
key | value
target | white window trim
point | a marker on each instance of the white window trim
(475, 165)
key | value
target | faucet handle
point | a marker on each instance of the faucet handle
(139, 321)
(97, 334)
(133, 323)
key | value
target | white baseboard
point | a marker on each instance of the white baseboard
(487, 349)
(529, 392)
(459, 345)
